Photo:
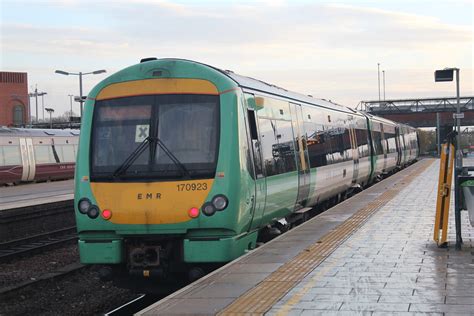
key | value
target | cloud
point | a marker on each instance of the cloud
(325, 49)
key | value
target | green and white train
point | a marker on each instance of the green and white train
(182, 164)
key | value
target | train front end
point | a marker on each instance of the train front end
(157, 150)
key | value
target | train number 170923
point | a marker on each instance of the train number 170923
(192, 187)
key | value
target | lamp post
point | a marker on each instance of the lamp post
(50, 111)
(42, 101)
(447, 75)
(378, 76)
(383, 73)
(36, 94)
(80, 74)
(70, 100)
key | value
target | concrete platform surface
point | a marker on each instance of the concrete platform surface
(370, 255)
(36, 193)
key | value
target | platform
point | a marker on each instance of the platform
(36, 193)
(372, 255)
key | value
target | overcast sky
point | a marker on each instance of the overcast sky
(329, 49)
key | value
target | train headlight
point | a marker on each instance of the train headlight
(208, 209)
(84, 205)
(93, 212)
(220, 202)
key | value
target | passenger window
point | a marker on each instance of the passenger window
(68, 153)
(362, 143)
(11, 155)
(65, 153)
(277, 146)
(252, 125)
(59, 151)
(44, 154)
(319, 147)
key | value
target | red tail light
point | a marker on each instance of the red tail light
(193, 212)
(106, 214)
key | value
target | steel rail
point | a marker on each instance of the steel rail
(14, 248)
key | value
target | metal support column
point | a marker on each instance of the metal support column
(458, 169)
(438, 134)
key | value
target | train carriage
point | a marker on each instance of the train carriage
(36, 154)
(182, 164)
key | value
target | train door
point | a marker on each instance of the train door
(399, 146)
(355, 152)
(26, 159)
(384, 147)
(302, 153)
(260, 180)
(31, 159)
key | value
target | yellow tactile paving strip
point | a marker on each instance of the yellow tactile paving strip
(261, 298)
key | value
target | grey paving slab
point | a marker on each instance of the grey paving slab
(442, 308)
(341, 298)
(220, 290)
(317, 305)
(375, 307)
(412, 299)
(461, 300)
(198, 307)
(405, 314)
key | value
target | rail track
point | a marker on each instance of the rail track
(21, 221)
(16, 248)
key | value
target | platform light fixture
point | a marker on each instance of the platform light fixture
(50, 111)
(80, 74)
(37, 94)
(447, 74)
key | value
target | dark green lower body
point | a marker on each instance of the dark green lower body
(194, 250)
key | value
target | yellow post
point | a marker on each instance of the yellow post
(444, 194)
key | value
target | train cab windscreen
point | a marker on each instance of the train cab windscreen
(155, 137)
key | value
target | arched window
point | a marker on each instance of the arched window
(18, 111)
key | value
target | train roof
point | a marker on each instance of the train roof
(35, 132)
(258, 85)
(264, 87)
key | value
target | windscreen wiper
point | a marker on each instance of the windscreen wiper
(132, 157)
(141, 148)
(173, 158)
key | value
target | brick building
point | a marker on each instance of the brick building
(14, 109)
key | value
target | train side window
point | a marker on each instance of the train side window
(256, 149)
(277, 146)
(377, 139)
(319, 149)
(59, 152)
(362, 143)
(65, 153)
(11, 155)
(287, 161)
(391, 143)
(252, 125)
(68, 153)
(2, 161)
(44, 154)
